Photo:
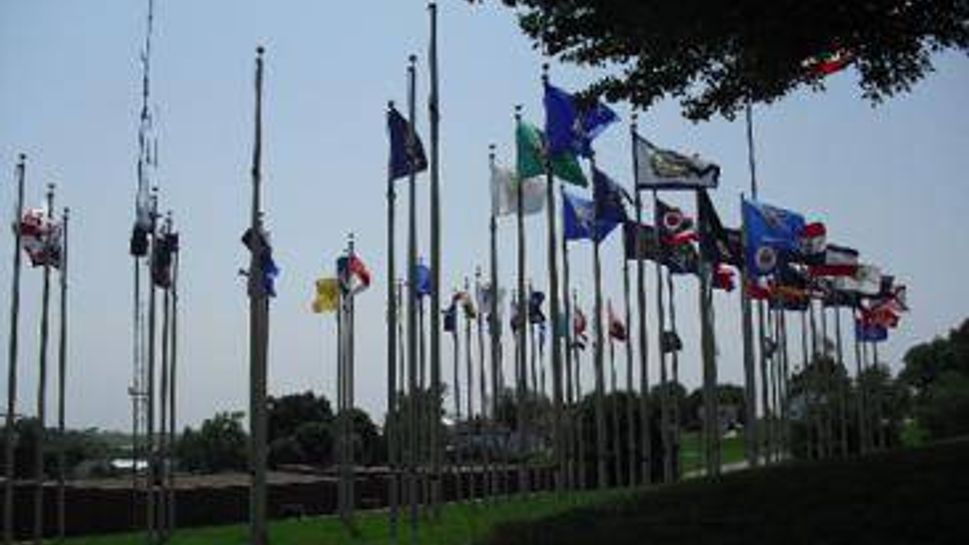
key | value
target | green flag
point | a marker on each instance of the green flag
(529, 141)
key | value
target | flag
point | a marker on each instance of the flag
(451, 317)
(138, 245)
(608, 197)
(353, 274)
(723, 278)
(682, 259)
(504, 193)
(40, 237)
(812, 239)
(757, 291)
(424, 281)
(675, 227)
(670, 342)
(579, 221)
(571, 125)
(827, 63)
(267, 265)
(617, 330)
(327, 295)
(466, 302)
(166, 244)
(835, 261)
(530, 146)
(639, 241)
(716, 245)
(868, 332)
(666, 169)
(535, 314)
(771, 234)
(580, 324)
(865, 281)
(406, 157)
(833, 297)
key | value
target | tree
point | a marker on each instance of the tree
(715, 56)
(289, 412)
(937, 372)
(218, 445)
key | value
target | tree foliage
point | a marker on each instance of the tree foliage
(218, 445)
(937, 372)
(715, 56)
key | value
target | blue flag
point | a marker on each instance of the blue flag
(406, 157)
(578, 218)
(535, 314)
(868, 332)
(570, 126)
(770, 234)
(608, 197)
(423, 274)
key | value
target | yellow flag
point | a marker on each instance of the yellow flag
(327, 295)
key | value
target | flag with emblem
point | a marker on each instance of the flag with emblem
(771, 234)
(572, 124)
(406, 150)
(658, 168)
(530, 147)
(327, 295)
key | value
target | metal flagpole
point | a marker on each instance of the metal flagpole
(599, 348)
(150, 453)
(880, 439)
(163, 403)
(350, 374)
(806, 385)
(674, 405)
(493, 318)
(173, 389)
(785, 382)
(482, 389)
(340, 400)
(62, 383)
(553, 289)
(644, 407)
(569, 427)
(522, 348)
(42, 389)
(711, 424)
(815, 376)
(614, 406)
(664, 386)
(10, 420)
(434, 113)
(469, 378)
(392, 422)
(750, 372)
(630, 394)
(579, 414)
(860, 394)
(412, 304)
(258, 334)
(842, 384)
(825, 385)
(458, 482)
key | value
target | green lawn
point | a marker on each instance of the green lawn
(907, 496)
(460, 523)
(691, 451)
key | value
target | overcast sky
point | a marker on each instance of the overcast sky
(888, 180)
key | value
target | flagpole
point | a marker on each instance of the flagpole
(674, 405)
(750, 372)
(434, 114)
(553, 288)
(825, 384)
(786, 374)
(815, 375)
(880, 440)
(614, 405)
(258, 335)
(842, 384)
(711, 423)
(150, 455)
(10, 420)
(579, 415)
(806, 385)
(569, 436)
(664, 386)
(62, 381)
(644, 408)
(163, 400)
(412, 303)
(630, 410)
(482, 388)
(600, 378)
(458, 481)
(392, 422)
(42, 389)
(351, 373)
(522, 348)
(469, 378)
(173, 357)
(770, 336)
(494, 321)
(860, 395)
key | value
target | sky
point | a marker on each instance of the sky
(888, 180)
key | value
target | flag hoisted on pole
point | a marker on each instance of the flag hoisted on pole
(646, 469)
(42, 383)
(521, 352)
(259, 291)
(13, 338)
(412, 302)
(435, 115)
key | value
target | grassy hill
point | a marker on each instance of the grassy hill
(908, 496)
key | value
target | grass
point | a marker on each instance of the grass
(916, 495)
(691, 451)
(459, 524)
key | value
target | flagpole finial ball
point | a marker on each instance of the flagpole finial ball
(412, 58)
(23, 157)
(260, 50)
(432, 5)
(390, 104)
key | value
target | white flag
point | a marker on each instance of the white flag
(504, 193)
(658, 168)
